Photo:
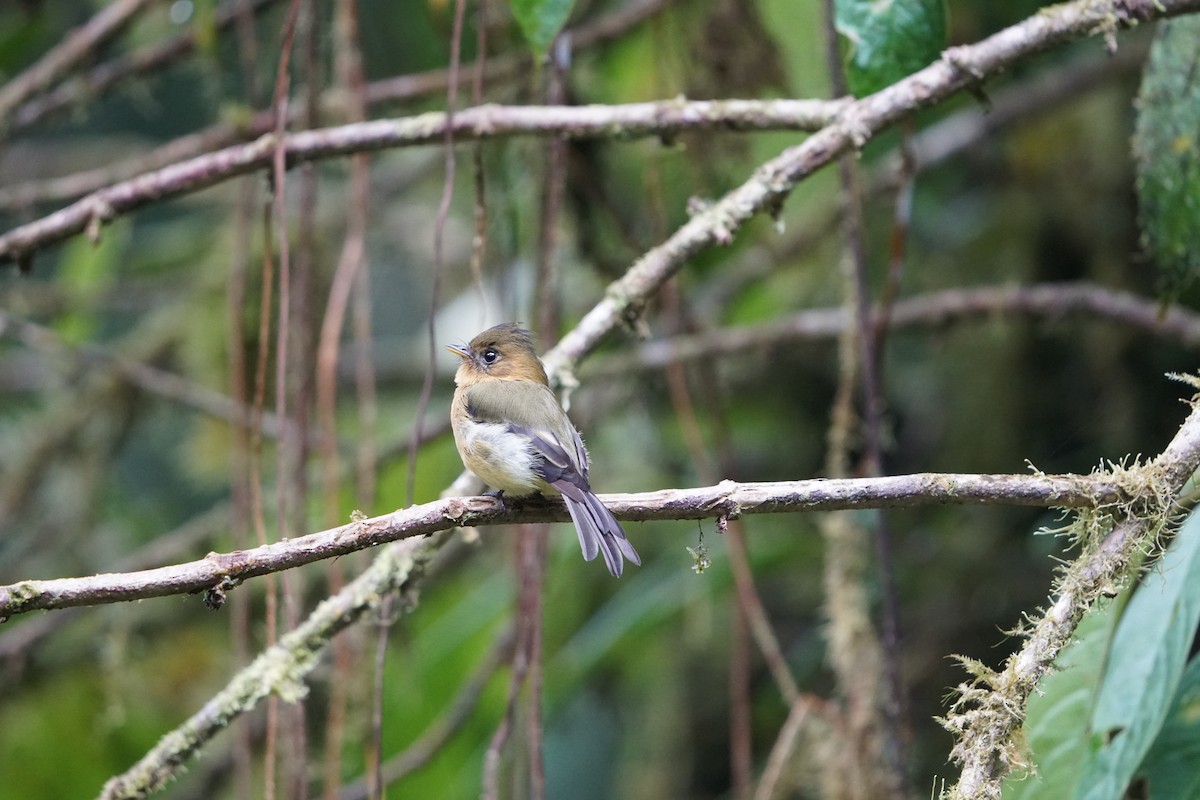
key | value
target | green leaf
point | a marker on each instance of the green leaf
(889, 39)
(1168, 161)
(1056, 722)
(1149, 652)
(1170, 767)
(541, 20)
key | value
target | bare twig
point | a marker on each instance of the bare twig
(348, 276)
(521, 660)
(144, 376)
(783, 749)
(417, 754)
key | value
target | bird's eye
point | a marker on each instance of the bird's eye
(490, 355)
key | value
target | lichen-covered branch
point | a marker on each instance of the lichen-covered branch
(220, 571)
(279, 670)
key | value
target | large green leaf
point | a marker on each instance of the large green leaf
(889, 39)
(1169, 770)
(1146, 664)
(1056, 722)
(541, 20)
(1165, 145)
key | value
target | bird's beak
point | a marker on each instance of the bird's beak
(460, 351)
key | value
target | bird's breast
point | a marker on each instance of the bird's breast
(502, 459)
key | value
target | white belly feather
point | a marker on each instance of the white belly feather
(502, 459)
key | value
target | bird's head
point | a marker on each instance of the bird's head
(505, 352)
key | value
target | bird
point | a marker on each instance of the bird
(512, 433)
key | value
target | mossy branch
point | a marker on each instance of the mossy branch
(989, 709)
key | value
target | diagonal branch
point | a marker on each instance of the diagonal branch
(985, 719)
(279, 670)
(960, 68)
(141, 374)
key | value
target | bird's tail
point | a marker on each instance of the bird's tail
(599, 531)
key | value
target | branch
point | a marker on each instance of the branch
(279, 670)
(959, 68)
(1051, 301)
(985, 717)
(482, 122)
(334, 104)
(220, 571)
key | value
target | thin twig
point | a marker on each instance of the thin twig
(139, 373)
(1049, 302)
(346, 278)
(278, 174)
(783, 749)
(439, 732)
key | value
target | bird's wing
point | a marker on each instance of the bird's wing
(530, 409)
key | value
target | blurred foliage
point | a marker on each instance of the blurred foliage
(96, 470)
(1166, 144)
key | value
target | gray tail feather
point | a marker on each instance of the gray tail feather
(599, 531)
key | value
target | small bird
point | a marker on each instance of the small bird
(512, 433)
